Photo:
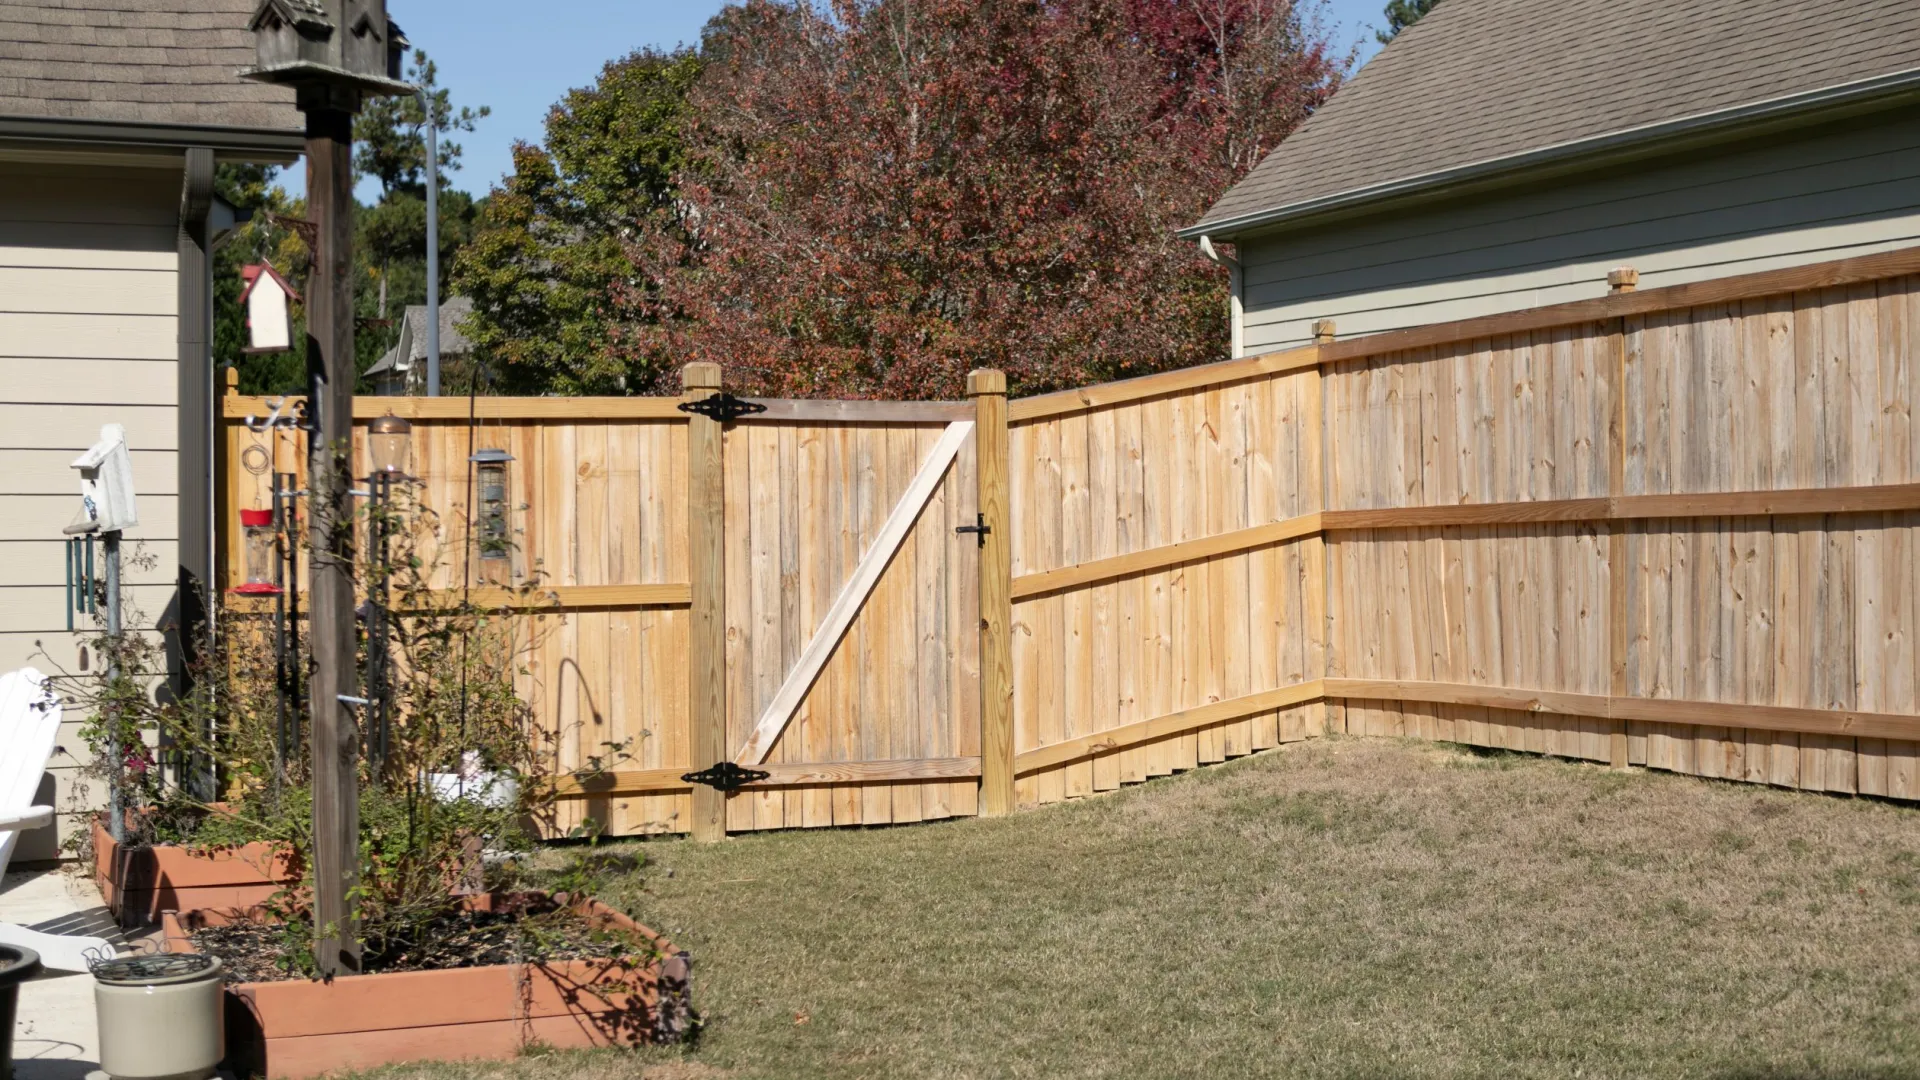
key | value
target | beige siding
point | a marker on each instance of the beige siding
(1713, 214)
(88, 336)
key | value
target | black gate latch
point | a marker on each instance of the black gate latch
(981, 530)
(723, 407)
(726, 776)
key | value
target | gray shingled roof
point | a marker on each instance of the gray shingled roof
(1481, 80)
(413, 335)
(136, 61)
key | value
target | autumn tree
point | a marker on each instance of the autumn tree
(548, 266)
(870, 197)
(883, 194)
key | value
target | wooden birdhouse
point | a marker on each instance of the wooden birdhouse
(266, 295)
(340, 43)
(106, 485)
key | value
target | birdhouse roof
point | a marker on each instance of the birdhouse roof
(252, 274)
(298, 12)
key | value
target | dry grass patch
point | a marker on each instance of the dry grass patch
(1343, 908)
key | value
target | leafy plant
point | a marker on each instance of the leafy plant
(456, 775)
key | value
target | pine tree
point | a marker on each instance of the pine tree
(1402, 14)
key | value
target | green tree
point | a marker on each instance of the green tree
(390, 236)
(548, 268)
(390, 134)
(1402, 14)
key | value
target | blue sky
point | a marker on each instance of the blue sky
(520, 59)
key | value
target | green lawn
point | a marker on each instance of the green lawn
(1346, 907)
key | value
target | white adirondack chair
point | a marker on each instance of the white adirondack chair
(29, 724)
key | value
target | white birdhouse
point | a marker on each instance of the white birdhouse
(106, 485)
(266, 295)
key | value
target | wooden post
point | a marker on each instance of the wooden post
(1323, 331)
(330, 375)
(707, 571)
(988, 389)
(1621, 280)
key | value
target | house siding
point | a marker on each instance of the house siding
(89, 331)
(1845, 191)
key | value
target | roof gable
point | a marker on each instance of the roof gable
(170, 62)
(1481, 80)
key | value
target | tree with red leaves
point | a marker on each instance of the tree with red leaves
(879, 195)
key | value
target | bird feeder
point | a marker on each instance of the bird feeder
(266, 295)
(387, 439)
(263, 553)
(490, 468)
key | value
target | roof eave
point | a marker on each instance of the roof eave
(1790, 111)
(253, 144)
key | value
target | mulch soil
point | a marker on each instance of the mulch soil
(258, 952)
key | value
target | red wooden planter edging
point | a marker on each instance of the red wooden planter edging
(295, 1029)
(138, 883)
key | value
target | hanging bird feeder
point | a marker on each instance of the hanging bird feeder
(263, 553)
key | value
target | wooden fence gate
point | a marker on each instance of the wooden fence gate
(850, 612)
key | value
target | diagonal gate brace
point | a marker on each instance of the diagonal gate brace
(853, 596)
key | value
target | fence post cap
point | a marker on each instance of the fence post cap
(700, 375)
(1623, 279)
(1324, 331)
(986, 381)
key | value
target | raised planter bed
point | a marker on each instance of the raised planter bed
(301, 1028)
(139, 883)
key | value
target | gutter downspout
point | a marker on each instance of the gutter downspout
(433, 245)
(1236, 286)
(195, 373)
(193, 602)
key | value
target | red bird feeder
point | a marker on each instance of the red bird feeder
(262, 541)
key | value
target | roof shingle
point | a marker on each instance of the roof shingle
(136, 61)
(1480, 80)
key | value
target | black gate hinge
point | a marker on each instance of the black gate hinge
(726, 776)
(980, 530)
(723, 407)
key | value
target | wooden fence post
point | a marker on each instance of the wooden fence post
(988, 389)
(707, 572)
(1623, 279)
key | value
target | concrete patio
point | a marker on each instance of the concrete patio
(54, 1033)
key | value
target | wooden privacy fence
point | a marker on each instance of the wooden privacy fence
(1671, 528)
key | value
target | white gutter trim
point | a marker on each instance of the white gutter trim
(1844, 94)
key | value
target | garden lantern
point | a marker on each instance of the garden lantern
(387, 439)
(263, 553)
